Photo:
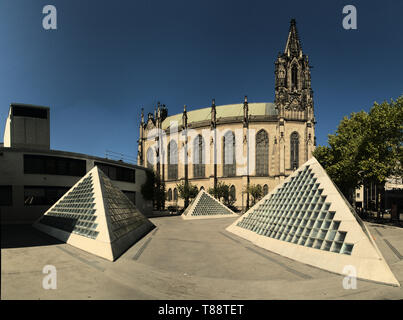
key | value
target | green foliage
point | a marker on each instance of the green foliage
(153, 189)
(222, 191)
(256, 192)
(367, 147)
(147, 188)
(189, 191)
(382, 147)
(159, 193)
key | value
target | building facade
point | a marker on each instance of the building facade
(238, 144)
(33, 177)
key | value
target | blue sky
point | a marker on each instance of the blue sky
(107, 59)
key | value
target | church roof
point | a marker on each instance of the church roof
(225, 111)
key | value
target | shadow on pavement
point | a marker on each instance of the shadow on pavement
(24, 235)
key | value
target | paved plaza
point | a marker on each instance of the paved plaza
(194, 259)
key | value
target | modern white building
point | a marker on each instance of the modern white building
(33, 177)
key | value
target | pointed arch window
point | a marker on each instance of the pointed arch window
(199, 157)
(294, 148)
(150, 158)
(262, 153)
(265, 189)
(294, 76)
(169, 196)
(175, 194)
(232, 193)
(229, 154)
(172, 160)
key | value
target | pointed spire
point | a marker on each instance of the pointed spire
(142, 115)
(184, 118)
(213, 115)
(245, 113)
(293, 46)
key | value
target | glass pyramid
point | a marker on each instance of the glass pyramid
(205, 206)
(95, 216)
(306, 218)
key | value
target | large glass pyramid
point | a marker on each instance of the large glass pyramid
(307, 218)
(205, 206)
(95, 216)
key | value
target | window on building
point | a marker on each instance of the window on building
(131, 195)
(38, 195)
(265, 189)
(117, 173)
(169, 194)
(6, 196)
(150, 158)
(294, 76)
(198, 157)
(232, 193)
(172, 160)
(175, 194)
(262, 153)
(229, 154)
(294, 144)
(39, 164)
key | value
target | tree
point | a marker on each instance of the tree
(154, 189)
(341, 157)
(188, 190)
(256, 192)
(222, 190)
(367, 147)
(382, 146)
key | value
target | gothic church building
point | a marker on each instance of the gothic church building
(238, 144)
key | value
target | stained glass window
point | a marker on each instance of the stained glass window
(262, 153)
(199, 157)
(229, 154)
(172, 160)
(294, 145)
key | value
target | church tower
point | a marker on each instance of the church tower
(294, 103)
(293, 92)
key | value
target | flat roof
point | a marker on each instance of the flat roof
(73, 155)
(18, 104)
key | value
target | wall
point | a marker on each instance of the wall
(239, 181)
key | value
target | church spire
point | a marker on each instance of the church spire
(213, 115)
(293, 93)
(293, 46)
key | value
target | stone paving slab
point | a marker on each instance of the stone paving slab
(180, 260)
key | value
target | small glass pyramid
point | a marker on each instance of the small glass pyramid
(95, 216)
(205, 206)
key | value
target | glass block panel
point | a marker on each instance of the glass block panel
(335, 225)
(310, 242)
(347, 248)
(298, 213)
(318, 244)
(336, 247)
(331, 235)
(340, 236)
(327, 245)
